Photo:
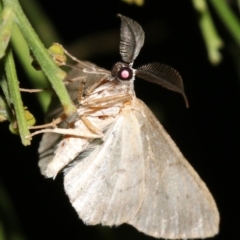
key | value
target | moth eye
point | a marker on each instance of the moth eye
(125, 73)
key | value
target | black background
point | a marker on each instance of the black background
(206, 133)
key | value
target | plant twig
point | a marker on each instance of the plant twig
(16, 97)
(8, 16)
(54, 74)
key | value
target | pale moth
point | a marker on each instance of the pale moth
(120, 165)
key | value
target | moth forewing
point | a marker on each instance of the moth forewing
(106, 185)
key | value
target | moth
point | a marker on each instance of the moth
(120, 165)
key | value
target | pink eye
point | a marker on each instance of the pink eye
(125, 73)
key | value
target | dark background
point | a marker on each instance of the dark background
(206, 133)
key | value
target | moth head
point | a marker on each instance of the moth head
(123, 72)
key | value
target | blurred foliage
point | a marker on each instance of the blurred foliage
(9, 224)
(137, 2)
(211, 37)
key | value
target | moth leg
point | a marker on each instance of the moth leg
(90, 126)
(51, 124)
(32, 90)
(111, 101)
(90, 89)
(72, 57)
(68, 81)
(81, 90)
(106, 102)
(66, 131)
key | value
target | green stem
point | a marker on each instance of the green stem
(40, 22)
(228, 18)
(54, 74)
(37, 78)
(16, 97)
(5, 89)
(5, 108)
(6, 27)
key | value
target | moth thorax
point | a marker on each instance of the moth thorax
(122, 71)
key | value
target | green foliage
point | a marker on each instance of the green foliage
(13, 16)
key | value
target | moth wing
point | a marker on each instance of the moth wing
(177, 204)
(138, 176)
(80, 72)
(50, 141)
(106, 185)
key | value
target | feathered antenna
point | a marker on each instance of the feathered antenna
(132, 39)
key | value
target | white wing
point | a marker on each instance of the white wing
(138, 176)
(55, 151)
(107, 186)
(177, 203)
